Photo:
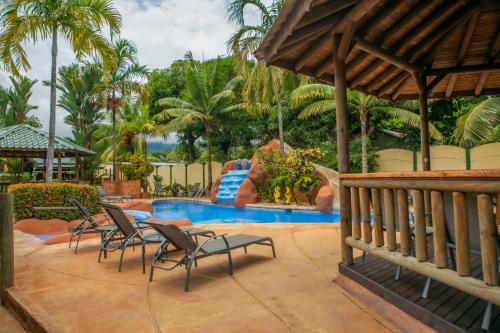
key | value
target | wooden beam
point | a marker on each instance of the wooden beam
(320, 12)
(494, 49)
(400, 86)
(360, 10)
(345, 41)
(463, 69)
(6, 243)
(323, 68)
(434, 83)
(299, 10)
(424, 122)
(464, 47)
(313, 50)
(385, 55)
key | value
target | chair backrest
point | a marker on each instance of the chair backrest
(120, 219)
(86, 214)
(176, 236)
(196, 187)
(102, 191)
(158, 187)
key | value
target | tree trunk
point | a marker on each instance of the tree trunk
(145, 165)
(49, 162)
(113, 120)
(280, 122)
(190, 147)
(208, 127)
(363, 116)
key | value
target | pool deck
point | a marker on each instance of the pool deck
(299, 291)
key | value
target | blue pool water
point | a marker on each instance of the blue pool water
(199, 212)
(230, 185)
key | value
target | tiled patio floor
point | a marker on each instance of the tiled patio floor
(294, 292)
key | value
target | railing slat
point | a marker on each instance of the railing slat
(389, 218)
(356, 220)
(404, 225)
(420, 227)
(461, 234)
(439, 224)
(377, 216)
(488, 232)
(364, 196)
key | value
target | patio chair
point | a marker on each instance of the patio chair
(220, 244)
(88, 225)
(194, 191)
(159, 189)
(112, 198)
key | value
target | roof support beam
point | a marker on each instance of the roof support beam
(327, 9)
(492, 54)
(299, 10)
(385, 55)
(345, 41)
(311, 51)
(463, 69)
(464, 47)
(360, 10)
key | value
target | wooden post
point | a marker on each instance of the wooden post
(356, 221)
(377, 215)
(6, 242)
(461, 234)
(203, 174)
(390, 221)
(171, 166)
(77, 171)
(186, 175)
(488, 231)
(497, 214)
(420, 229)
(364, 196)
(404, 225)
(438, 220)
(341, 115)
(59, 167)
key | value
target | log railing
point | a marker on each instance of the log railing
(378, 222)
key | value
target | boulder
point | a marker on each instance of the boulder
(215, 189)
(228, 166)
(274, 145)
(324, 199)
(64, 238)
(185, 222)
(42, 227)
(247, 194)
(137, 205)
(257, 174)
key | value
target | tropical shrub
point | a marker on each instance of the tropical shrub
(27, 196)
(175, 188)
(135, 170)
(157, 178)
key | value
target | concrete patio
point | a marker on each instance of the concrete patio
(294, 292)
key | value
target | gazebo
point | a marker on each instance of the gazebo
(23, 141)
(400, 50)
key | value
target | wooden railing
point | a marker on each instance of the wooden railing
(374, 202)
(3, 187)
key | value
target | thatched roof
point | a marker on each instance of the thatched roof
(454, 43)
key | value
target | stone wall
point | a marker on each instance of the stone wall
(123, 187)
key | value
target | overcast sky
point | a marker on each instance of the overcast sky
(163, 31)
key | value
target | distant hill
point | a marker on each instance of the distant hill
(155, 146)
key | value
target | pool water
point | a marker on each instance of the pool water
(201, 212)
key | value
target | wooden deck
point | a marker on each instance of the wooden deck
(446, 309)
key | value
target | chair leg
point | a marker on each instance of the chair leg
(230, 262)
(100, 253)
(71, 240)
(245, 248)
(427, 287)
(143, 258)
(121, 259)
(77, 242)
(188, 275)
(485, 324)
(272, 247)
(398, 273)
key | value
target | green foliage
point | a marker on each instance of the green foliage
(27, 196)
(136, 168)
(175, 188)
(157, 178)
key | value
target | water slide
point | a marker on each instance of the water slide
(231, 182)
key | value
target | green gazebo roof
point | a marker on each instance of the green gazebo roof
(26, 141)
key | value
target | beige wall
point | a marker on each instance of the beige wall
(442, 158)
(194, 172)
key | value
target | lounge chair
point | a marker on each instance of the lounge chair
(220, 244)
(88, 225)
(159, 189)
(132, 235)
(112, 198)
(194, 191)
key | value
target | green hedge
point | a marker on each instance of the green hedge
(27, 196)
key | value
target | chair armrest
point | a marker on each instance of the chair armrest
(223, 236)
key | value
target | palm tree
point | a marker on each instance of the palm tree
(16, 104)
(205, 98)
(263, 84)
(480, 124)
(123, 80)
(78, 22)
(4, 103)
(320, 98)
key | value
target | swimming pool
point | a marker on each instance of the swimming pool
(201, 212)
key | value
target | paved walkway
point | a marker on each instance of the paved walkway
(292, 293)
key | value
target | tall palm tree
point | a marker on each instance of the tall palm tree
(18, 98)
(124, 79)
(4, 103)
(263, 85)
(320, 98)
(480, 125)
(205, 98)
(79, 22)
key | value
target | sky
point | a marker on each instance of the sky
(163, 31)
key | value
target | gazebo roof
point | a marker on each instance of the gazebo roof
(454, 43)
(26, 141)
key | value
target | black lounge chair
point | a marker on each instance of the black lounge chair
(112, 198)
(133, 235)
(88, 225)
(220, 244)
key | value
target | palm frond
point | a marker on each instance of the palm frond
(479, 124)
(318, 108)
